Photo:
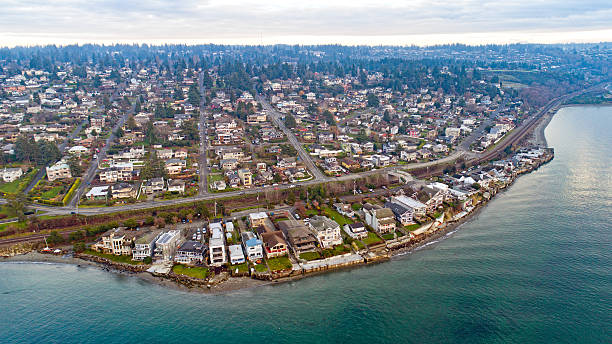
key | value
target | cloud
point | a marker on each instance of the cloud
(248, 21)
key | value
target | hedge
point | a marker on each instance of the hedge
(71, 191)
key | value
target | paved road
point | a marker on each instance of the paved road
(304, 156)
(211, 196)
(62, 148)
(90, 174)
(203, 163)
(480, 131)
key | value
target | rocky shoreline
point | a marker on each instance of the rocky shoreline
(225, 283)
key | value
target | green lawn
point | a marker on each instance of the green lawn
(215, 177)
(19, 184)
(310, 256)
(261, 267)
(244, 267)
(52, 193)
(4, 209)
(114, 258)
(334, 215)
(337, 250)
(412, 227)
(359, 244)
(371, 239)
(195, 272)
(388, 236)
(311, 212)
(279, 263)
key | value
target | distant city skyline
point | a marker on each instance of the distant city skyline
(356, 22)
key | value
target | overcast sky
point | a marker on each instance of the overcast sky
(420, 22)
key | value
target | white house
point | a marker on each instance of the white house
(326, 230)
(11, 174)
(236, 254)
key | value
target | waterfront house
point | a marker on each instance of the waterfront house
(326, 230)
(144, 245)
(117, 241)
(252, 246)
(402, 214)
(216, 245)
(299, 237)
(274, 244)
(380, 219)
(356, 230)
(236, 254)
(410, 203)
(190, 253)
(165, 245)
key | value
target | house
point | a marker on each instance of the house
(190, 253)
(144, 245)
(356, 230)
(219, 185)
(164, 154)
(246, 177)
(153, 185)
(252, 246)
(175, 166)
(344, 209)
(11, 174)
(115, 174)
(274, 244)
(176, 185)
(402, 214)
(432, 197)
(257, 219)
(229, 164)
(97, 192)
(216, 245)
(299, 237)
(380, 219)
(77, 150)
(236, 254)
(117, 241)
(123, 190)
(326, 230)
(59, 170)
(417, 207)
(165, 245)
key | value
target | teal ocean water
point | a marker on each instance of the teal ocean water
(535, 266)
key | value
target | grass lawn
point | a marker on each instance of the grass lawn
(359, 244)
(311, 212)
(412, 227)
(261, 268)
(4, 209)
(114, 258)
(388, 236)
(195, 272)
(279, 263)
(214, 177)
(310, 256)
(19, 184)
(244, 267)
(52, 193)
(371, 239)
(334, 215)
(337, 250)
